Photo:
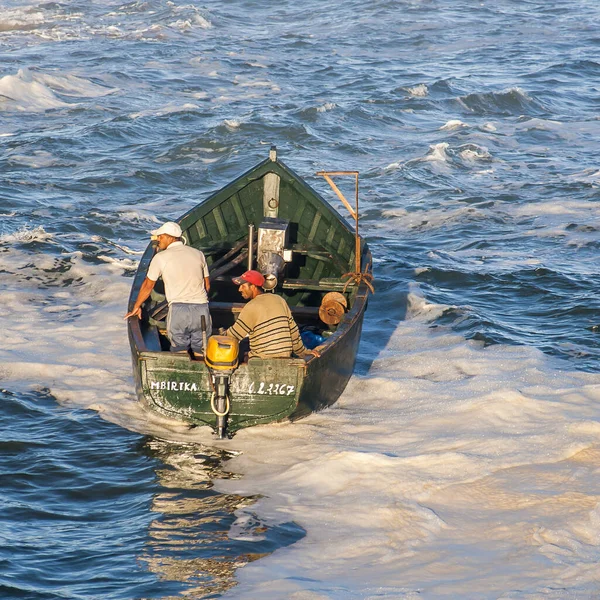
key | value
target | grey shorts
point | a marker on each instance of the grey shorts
(184, 326)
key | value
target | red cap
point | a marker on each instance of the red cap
(253, 277)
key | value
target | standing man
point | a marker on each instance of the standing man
(266, 320)
(185, 275)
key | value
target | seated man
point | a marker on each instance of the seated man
(266, 320)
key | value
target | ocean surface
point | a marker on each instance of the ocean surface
(463, 459)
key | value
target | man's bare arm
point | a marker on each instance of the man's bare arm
(143, 295)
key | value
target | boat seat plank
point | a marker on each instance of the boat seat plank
(236, 307)
(160, 311)
(325, 285)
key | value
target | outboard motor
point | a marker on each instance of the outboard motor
(221, 357)
(272, 252)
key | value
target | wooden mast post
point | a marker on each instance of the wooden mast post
(353, 211)
(358, 276)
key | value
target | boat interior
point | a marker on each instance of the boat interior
(315, 325)
(268, 219)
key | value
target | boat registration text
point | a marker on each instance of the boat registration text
(271, 389)
(261, 387)
(181, 386)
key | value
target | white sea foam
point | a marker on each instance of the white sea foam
(120, 264)
(40, 159)
(437, 156)
(66, 333)
(536, 124)
(590, 175)
(443, 443)
(21, 92)
(561, 207)
(27, 234)
(326, 107)
(418, 91)
(165, 110)
(183, 25)
(419, 308)
(131, 21)
(196, 19)
(437, 152)
(19, 19)
(124, 248)
(472, 153)
(442, 157)
(273, 87)
(232, 124)
(71, 85)
(393, 166)
(453, 124)
(429, 218)
(575, 222)
(29, 91)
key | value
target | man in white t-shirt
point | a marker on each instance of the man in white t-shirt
(185, 274)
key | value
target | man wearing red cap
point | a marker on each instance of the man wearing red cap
(266, 320)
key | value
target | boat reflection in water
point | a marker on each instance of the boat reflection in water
(192, 543)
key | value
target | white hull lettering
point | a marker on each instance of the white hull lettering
(271, 389)
(261, 387)
(174, 386)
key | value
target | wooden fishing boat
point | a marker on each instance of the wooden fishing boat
(310, 255)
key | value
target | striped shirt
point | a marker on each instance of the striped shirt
(269, 324)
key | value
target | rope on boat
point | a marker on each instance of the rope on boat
(214, 408)
(358, 278)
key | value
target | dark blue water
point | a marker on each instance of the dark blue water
(76, 497)
(91, 510)
(475, 129)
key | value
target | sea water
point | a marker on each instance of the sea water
(462, 460)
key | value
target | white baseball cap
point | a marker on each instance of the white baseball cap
(169, 228)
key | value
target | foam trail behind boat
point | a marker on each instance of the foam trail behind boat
(445, 444)
(442, 444)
